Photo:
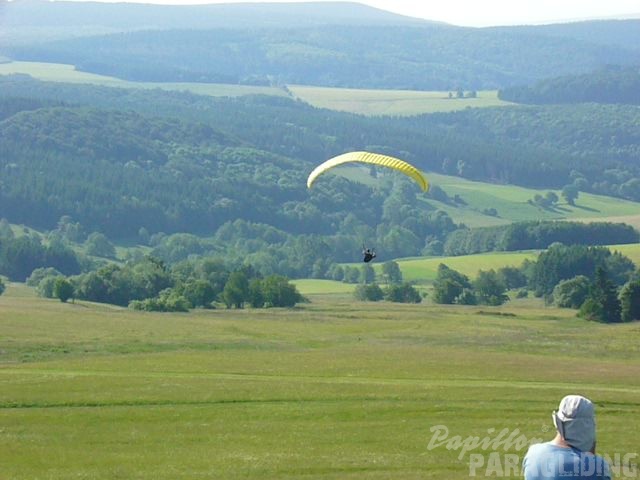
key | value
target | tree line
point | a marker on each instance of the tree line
(537, 235)
(603, 285)
(442, 57)
(149, 284)
(613, 84)
(589, 145)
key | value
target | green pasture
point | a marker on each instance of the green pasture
(425, 269)
(322, 287)
(632, 251)
(55, 72)
(391, 102)
(510, 201)
(332, 389)
(367, 102)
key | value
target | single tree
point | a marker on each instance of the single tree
(570, 193)
(489, 288)
(630, 301)
(370, 292)
(98, 244)
(602, 304)
(62, 289)
(571, 293)
(236, 290)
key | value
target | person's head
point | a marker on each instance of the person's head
(575, 422)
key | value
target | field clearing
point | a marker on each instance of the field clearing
(366, 102)
(424, 270)
(632, 251)
(322, 287)
(510, 201)
(56, 72)
(328, 390)
(391, 102)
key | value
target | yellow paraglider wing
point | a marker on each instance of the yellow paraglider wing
(372, 158)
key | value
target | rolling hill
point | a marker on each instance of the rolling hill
(122, 159)
(338, 44)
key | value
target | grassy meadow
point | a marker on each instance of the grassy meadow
(55, 72)
(333, 389)
(510, 201)
(391, 102)
(361, 101)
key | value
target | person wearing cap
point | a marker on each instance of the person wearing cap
(571, 454)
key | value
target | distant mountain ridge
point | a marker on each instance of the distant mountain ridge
(305, 43)
(430, 57)
(139, 16)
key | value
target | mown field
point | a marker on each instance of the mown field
(391, 102)
(366, 102)
(422, 271)
(55, 72)
(510, 201)
(333, 389)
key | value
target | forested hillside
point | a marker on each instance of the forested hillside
(621, 33)
(188, 175)
(429, 57)
(594, 146)
(609, 85)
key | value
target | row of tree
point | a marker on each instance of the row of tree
(613, 84)
(360, 56)
(604, 286)
(537, 235)
(398, 293)
(150, 284)
(594, 147)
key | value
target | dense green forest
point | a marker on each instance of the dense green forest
(187, 176)
(592, 146)
(609, 85)
(537, 236)
(441, 57)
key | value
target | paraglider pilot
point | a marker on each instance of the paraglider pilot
(368, 254)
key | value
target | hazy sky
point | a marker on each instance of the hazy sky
(484, 12)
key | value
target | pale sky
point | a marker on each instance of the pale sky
(481, 13)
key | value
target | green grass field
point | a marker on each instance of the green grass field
(423, 270)
(55, 72)
(391, 102)
(367, 102)
(510, 201)
(333, 389)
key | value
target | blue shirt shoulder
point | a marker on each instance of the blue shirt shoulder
(546, 461)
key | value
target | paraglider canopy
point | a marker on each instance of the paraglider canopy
(374, 159)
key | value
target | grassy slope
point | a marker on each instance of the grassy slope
(391, 102)
(367, 102)
(55, 72)
(331, 390)
(511, 202)
(424, 270)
